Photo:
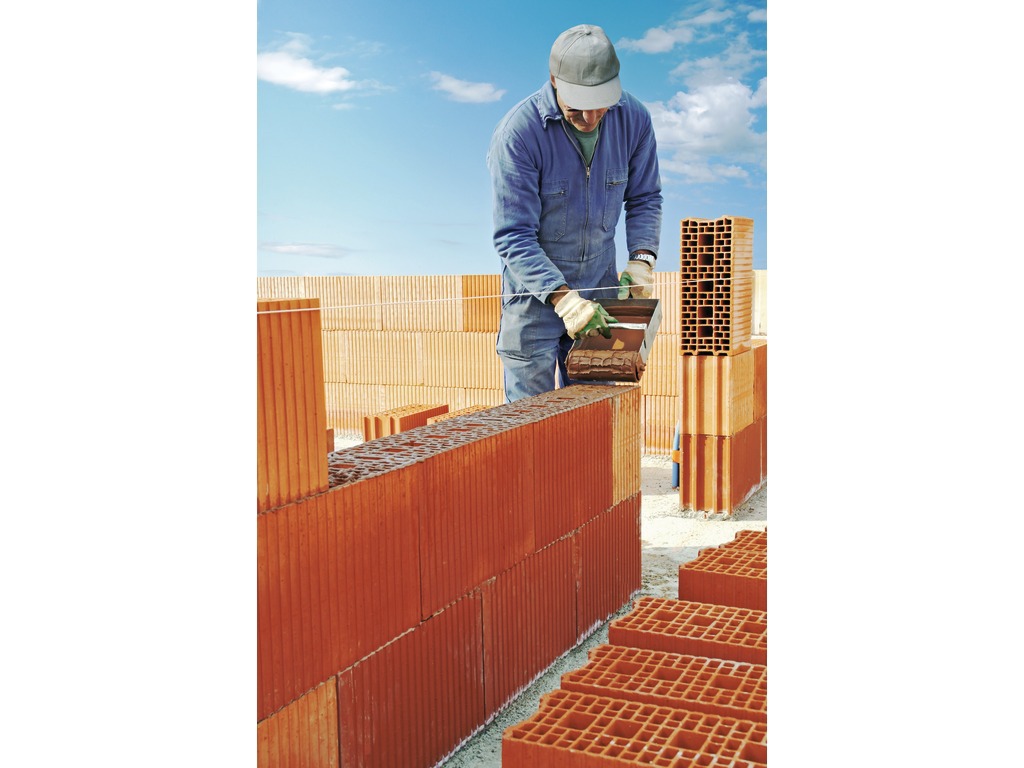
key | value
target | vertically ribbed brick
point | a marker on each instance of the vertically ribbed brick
(291, 410)
(529, 621)
(626, 444)
(304, 734)
(661, 415)
(608, 558)
(717, 474)
(666, 288)
(481, 302)
(338, 577)
(661, 376)
(717, 395)
(475, 522)
(421, 303)
(410, 704)
(349, 302)
(760, 378)
(763, 432)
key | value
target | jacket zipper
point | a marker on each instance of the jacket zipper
(586, 165)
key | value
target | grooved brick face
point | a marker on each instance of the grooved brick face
(476, 518)
(291, 413)
(529, 614)
(304, 733)
(337, 578)
(700, 629)
(717, 474)
(580, 729)
(608, 552)
(415, 700)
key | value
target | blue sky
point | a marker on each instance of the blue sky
(374, 120)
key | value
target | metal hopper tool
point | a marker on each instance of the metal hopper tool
(623, 357)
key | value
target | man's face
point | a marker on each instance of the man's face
(585, 120)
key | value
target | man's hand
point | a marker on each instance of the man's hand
(582, 317)
(637, 280)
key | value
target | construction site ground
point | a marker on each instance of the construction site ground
(669, 537)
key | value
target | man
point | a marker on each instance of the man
(564, 162)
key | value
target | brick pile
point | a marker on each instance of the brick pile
(679, 683)
(723, 400)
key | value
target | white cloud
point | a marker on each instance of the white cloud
(709, 133)
(733, 63)
(761, 14)
(465, 91)
(320, 250)
(664, 38)
(290, 66)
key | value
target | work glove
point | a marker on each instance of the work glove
(637, 280)
(582, 317)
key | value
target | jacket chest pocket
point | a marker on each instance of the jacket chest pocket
(614, 192)
(554, 209)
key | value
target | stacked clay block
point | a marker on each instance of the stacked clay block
(581, 729)
(435, 575)
(395, 420)
(735, 573)
(716, 285)
(722, 401)
(701, 629)
(679, 683)
(716, 686)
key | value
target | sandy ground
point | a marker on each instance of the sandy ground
(669, 538)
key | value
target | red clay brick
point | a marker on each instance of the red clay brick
(529, 621)
(717, 474)
(291, 412)
(338, 577)
(609, 561)
(726, 576)
(578, 730)
(683, 681)
(304, 734)
(699, 629)
(414, 701)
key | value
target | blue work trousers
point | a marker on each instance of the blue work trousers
(542, 371)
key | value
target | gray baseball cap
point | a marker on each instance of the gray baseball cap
(586, 68)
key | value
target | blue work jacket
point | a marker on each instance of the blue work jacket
(555, 218)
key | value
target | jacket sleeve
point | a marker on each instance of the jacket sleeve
(643, 192)
(515, 184)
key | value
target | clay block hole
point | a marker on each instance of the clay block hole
(688, 740)
(624, 729)
(625, 668)
(752, 627)
(667, 673)
(577, 721)
(755, 753)
(726, 682)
